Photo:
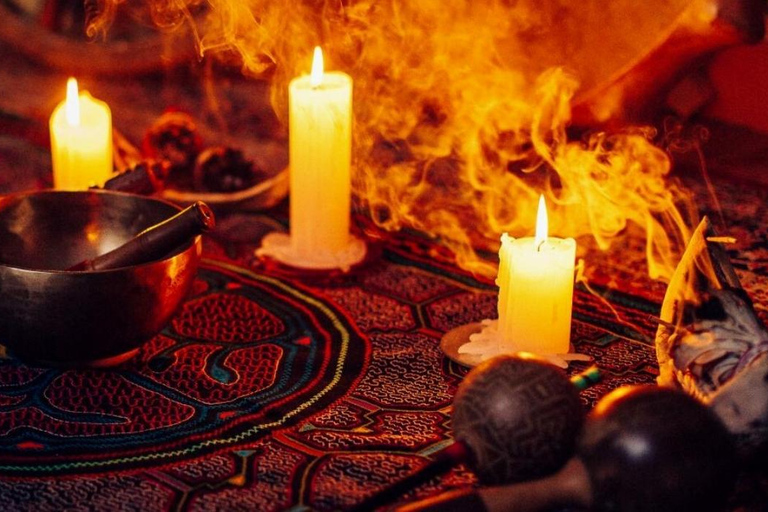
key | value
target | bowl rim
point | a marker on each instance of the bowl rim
(21, 195)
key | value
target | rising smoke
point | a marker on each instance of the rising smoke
(461, 109)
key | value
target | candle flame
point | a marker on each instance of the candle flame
(316, 78)
(542, 223)
(72, 106)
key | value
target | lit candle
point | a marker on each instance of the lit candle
(320, 109)
(81, 141)
(320, 154)
(535, 282)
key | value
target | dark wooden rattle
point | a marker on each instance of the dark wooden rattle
(514, 417)
(643, 449)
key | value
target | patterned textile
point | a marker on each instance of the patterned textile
(275, 390)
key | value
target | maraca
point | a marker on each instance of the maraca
(514, 418)
(519, 416)
(643, 449)
(657, 449)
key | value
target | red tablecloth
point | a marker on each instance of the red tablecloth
(273, 389)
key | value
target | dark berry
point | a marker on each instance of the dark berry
(224, 169)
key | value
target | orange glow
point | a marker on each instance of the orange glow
(316, 77)
(542, 226)
(462, 109)
(616, 396)
(72, 107)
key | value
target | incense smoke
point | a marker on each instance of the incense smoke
(461, 110)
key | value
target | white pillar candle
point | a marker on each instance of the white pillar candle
(320, 124)
(535, 282)
(81, 141)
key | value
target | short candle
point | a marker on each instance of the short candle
(81, 141)
(535, 282)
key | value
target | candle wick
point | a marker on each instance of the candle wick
(538, 247)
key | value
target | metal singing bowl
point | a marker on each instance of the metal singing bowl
(54, 317)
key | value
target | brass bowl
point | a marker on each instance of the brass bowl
(52, 316)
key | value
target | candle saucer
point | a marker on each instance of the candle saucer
(453, 340)
(278, 246)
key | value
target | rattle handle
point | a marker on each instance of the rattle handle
(444, 460)
(569, 486)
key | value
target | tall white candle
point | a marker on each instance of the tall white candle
(320, 124)
(535, 282)
(81, 141)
